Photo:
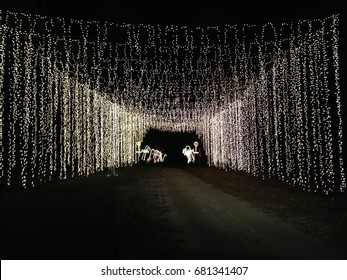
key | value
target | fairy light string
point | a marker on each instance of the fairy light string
(2, 71)
(78, 95)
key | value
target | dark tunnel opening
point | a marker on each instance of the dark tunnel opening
(172, 144)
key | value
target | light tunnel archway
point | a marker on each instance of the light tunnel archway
(76, 96)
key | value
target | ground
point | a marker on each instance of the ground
(170, 213)
(314, 213)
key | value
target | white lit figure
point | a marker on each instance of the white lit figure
(189, 153)
(146, 151)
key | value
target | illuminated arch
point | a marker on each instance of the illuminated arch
(78, 95)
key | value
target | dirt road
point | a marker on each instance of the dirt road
(213, 224)
(146, 213)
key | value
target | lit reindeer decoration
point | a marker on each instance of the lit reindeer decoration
(158, 156)
(149, 155)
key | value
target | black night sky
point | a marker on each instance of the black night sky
(196, 12)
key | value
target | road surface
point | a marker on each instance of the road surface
(214, 225)
(146, 213)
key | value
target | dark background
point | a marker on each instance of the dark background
(193, 13)
(196, 12)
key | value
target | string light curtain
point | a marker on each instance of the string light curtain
(77, 95)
